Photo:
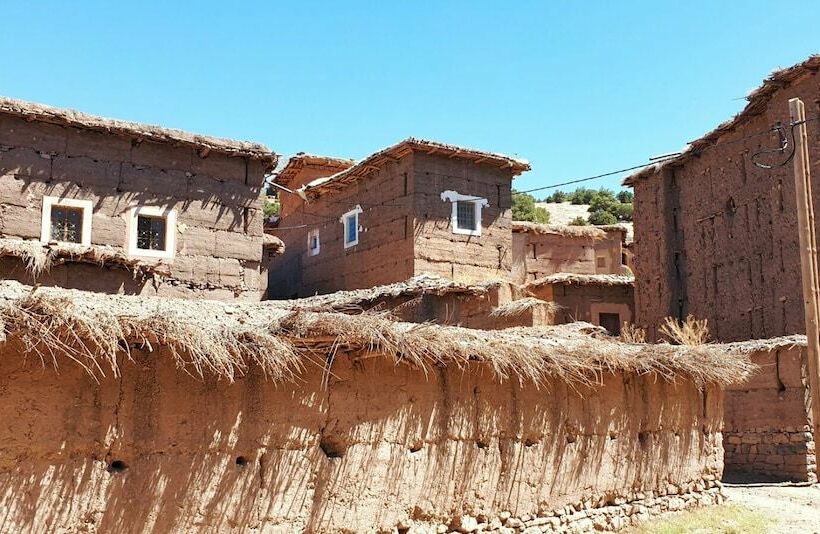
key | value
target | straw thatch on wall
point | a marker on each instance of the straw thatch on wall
(359, 299)
(39, 257)
(372, 163)
(517, 307)
(97, 331)
(593, 232)
(583, 280)
(31, 111)
(302, 160)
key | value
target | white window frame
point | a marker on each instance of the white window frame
(311, 251)
(343, 219)
(170, 216)
(455, 197)
(88, 209)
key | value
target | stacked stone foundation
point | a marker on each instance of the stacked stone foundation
(787, 454)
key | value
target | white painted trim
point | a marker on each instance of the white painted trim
(352, 213)
(314, 252)
(170, 217)
(86, 205)
(454, 197)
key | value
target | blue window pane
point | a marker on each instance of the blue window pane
(352, 228)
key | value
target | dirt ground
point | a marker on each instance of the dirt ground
(796, 507)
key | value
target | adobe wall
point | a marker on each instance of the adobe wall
(583, 302)
(717, 236)
(289, 203)
(383, 255)
(461, 257)
(537, 255)
(767, 431)
(217, 198)
(383, 446)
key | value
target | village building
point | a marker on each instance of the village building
(271, 418)
(415, 207)
(545, 249)
(716, 235)
(302, 169)
(119, 207)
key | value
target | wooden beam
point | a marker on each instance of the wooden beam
(808, 255)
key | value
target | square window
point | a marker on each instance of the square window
(465, 215)
(611, 322)
(67, 220)
(600, 261)
(150, 232)
(66, 224)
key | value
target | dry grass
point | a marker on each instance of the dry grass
(632, 334)
(692, 332)
(726, 519)
(97, 331)
(39, 258)
(517, 307)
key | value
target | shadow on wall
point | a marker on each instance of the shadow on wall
(381, 443)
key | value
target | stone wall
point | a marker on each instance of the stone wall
(381, 446)
(537, 254)
(716, 236)
(217, 198)
(767, 432)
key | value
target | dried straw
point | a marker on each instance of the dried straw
(97, 331)
(520, 306)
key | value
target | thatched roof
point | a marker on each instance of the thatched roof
(97, 331)
(758, 100)
(594, 232)
(375, 161)
(301, 160)
(519, 306)
(584, 280)
(764, 345)
(31, 111)
(359, 299)
(39, 257)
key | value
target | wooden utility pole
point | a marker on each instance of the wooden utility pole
(808, 255)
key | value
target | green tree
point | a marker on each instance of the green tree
(579, 221)
(582, 195)
(602, 217)
(271, 207)
(557, 197)
(625, 197)
(524, 209)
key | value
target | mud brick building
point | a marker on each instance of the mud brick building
(302, 169)
(715, 235)
(118, 207)
(415, 207)
(545, 249)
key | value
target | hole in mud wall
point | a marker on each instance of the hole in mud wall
(241, 461)
(529, 442)
(332, 447)
(643, 438)
(416, 446)
(482, 444)
(571, 438)
(117, 466)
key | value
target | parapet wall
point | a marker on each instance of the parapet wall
(369, 446)
(767, 431)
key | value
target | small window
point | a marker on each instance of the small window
(66, 224)
(466, 212)
(66, 220)
(350, 220)
(151, 232)
(313, 242)
(465, 215)
(600, 261)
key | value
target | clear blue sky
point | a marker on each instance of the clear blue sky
(577, 88)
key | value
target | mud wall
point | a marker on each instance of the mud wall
(585, 302)
(716, 237)
(382, 446)
(767, 432)
(461, 257)
(537, 255)
(383, 255)
(217, 198)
